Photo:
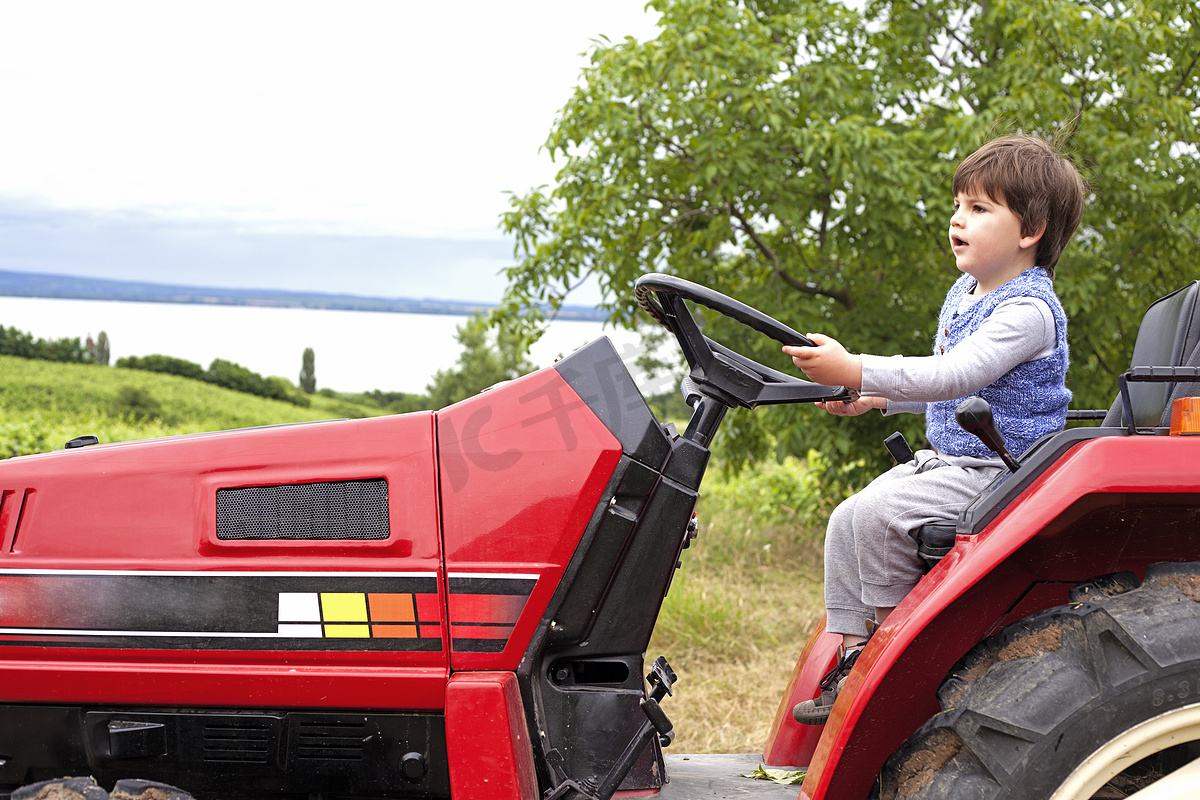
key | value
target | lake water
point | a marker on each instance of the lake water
(355, 350)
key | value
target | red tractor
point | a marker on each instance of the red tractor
(458, 603)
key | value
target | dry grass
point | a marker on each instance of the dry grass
(733, 625)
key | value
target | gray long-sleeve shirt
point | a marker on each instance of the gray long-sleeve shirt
(1018, 330)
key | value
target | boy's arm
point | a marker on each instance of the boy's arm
(903, 407)
(1017, 331)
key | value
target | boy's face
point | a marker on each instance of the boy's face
(986, 238)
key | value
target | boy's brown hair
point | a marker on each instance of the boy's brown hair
(1038, 184)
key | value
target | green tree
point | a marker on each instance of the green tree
(103, 349)
(487, 358)
(15, 342)
(241, 379)
(308, 373)
(392, 402)
(166, 364)
(797, 154)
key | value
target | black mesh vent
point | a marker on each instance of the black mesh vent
(334, 510)
(247, 742)
(331, 741)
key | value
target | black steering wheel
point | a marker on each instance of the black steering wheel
(720, 373)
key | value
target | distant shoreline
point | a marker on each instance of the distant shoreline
(71, 287)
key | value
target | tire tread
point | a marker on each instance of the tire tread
(1011, 702)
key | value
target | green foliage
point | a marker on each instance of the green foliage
(353, 405)
(169, 365)
(485, 361)
(222, 373)
(797, 154)
(669, 407)
(19, 437)
(308, 371)
(391, 402)
(236, 377)
(784, 777)
(19, 343)
(783, 492)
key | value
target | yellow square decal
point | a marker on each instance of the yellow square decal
(347, 631)
(343, 607)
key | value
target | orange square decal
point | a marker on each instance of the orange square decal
(392, 608)
(394, 631)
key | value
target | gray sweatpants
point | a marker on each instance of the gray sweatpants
(871, 556)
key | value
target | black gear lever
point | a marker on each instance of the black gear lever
(974, 415)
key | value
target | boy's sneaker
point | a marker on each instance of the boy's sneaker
(816, 711)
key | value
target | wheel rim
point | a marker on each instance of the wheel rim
(1168, 729)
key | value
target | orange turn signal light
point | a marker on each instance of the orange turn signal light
(1185, 417)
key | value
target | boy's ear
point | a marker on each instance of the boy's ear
(1032, 239)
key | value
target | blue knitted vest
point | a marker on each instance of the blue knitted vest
(1030, 400)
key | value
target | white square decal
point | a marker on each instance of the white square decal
(301, 631)
(299, 607)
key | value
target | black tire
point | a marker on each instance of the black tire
(1027, 707)
(88, 789)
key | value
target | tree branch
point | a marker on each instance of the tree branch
(840, 295)
(695, 212)
(657, 135)
(1096, 352)
(1186, 74)
(943, 59)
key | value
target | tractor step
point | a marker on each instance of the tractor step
(711, 776)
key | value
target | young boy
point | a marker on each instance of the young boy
(1002, 335)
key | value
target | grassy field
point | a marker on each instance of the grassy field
(43, 404)
(736, 618)
(733, 623)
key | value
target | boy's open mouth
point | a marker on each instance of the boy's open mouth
(957, 241)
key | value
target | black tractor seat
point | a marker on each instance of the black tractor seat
(934, 540)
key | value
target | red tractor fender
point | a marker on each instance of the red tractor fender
(790, 743)
(487, 741)
(1051, 538)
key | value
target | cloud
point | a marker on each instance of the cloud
(141, 247)
(358, 147)
(375, 116)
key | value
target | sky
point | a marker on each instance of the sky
(360, 146)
